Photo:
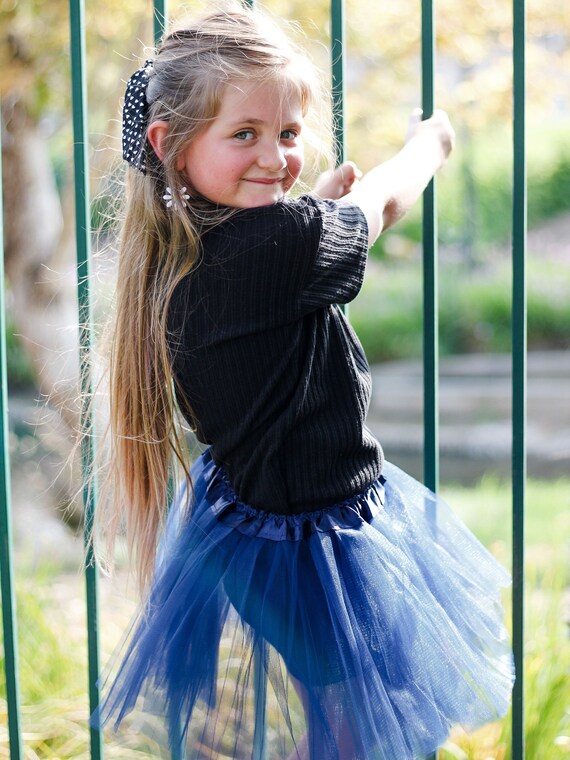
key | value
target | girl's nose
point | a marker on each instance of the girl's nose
(272, 157)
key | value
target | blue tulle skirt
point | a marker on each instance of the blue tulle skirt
(363, 631)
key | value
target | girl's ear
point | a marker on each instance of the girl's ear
(156, 134)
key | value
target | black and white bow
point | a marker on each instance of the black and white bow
(135, 112)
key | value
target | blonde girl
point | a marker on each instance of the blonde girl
(293, 551)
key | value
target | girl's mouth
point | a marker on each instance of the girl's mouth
(265, 180)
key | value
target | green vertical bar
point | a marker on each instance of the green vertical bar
(430, 295)
(519, 369)
(338, 79)
(9, 622)
(430, 275)
(80, 144)
(338, 34)
(260, 691)
(160, 21)
(160, 16)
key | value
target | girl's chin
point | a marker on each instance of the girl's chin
(258, 199)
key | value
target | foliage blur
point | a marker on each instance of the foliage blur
(474, 81)
(474, 73)
(474, 309)
(383, 83)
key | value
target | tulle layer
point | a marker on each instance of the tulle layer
(364, 631)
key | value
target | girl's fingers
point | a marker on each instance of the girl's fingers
(348, 174)
(337, 183)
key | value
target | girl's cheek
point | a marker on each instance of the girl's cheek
(290, 181)
(294, 167)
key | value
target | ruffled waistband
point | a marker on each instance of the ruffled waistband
(232, 511)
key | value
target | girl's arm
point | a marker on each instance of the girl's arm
(389, 190)
(386, 192)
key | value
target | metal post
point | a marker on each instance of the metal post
(430, 275)
(260, 697)
(9, 621)
(80, 145)
(338, 79)
(519, 368)
(160, 22)
(338, 35)
(430, 279)
(160, 17)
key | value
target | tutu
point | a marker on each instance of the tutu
(363, 631)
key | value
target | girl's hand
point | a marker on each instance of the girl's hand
(437, 127)
(338, 182)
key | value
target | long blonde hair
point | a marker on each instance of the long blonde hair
(158, 247)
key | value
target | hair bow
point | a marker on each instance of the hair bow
(135, 113)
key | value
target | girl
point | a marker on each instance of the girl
(294, 551)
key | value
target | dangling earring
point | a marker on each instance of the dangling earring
(179, 196)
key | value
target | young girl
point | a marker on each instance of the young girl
(294, 552)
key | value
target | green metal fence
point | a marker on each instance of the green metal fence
(6, 567)
(431, 464)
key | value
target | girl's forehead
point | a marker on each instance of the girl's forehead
(268, 100)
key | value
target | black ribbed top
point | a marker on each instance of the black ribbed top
(276, 377)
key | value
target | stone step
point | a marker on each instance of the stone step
(475, 411)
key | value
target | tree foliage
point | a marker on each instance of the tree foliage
(474, 67)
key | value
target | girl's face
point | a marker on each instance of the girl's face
(251, 154)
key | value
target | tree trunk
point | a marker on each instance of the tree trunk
(41, 273)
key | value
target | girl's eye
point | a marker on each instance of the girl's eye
(288, 134)
(245, 134)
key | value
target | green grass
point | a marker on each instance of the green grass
(487, 511)
(53, 673)
(474, 308)
(51, 614)
(547, 647)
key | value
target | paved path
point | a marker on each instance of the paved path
(475, 414)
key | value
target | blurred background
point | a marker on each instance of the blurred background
(474, 83)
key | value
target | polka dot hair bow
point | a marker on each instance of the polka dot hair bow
(135, 111)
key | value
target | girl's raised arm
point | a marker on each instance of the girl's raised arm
(386, 192)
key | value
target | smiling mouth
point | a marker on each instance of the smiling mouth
(265, 181)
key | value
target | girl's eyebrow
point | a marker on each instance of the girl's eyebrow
(254, 121)
(246, 120)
